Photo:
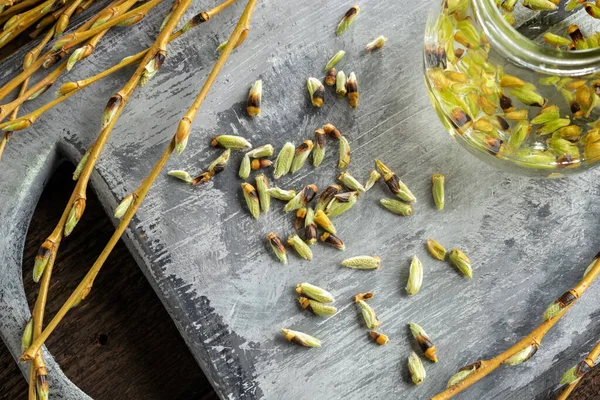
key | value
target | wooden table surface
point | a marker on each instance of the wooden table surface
(120, 343)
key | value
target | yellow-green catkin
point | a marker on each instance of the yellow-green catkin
(437, 190)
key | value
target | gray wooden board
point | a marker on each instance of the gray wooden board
(529, 240)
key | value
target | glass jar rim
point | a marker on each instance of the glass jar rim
(526, 53)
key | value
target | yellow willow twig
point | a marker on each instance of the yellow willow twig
(526, 347)
(573, 376)
(140, 193)
(19, 23)
(72, 39)
(76, 204)
(41, 86)
(70, 88)
(17, 80)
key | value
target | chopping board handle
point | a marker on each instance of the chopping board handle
(22, 181)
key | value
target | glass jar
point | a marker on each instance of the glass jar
(517, 84)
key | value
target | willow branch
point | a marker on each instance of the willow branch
(533, 340)
(43, 85)
(70, 88)
(73, 39)
(580, 370)
(21, 22)
(16, 9)
(139, 194)
(16, 81)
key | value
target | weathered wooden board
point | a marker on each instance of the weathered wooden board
(529, 240)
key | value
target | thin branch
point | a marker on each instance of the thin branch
(580, 370)
(70, 88)
(139, 194)
(532, 341)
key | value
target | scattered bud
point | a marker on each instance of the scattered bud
(320, 309)
(124, 206)
(316, 91)
(376, 44)
(180, 174)
(394, 183)
(262, 187)
(277, 247)
(324, 222)
(416, 368)
(577, 37)
(340, 84)
(27, 337)
(362, 262)
(461, 262)
(215, 167)
(436, 250)
(415, 278)
(245, 167)
(347, 20)
(437, 190)
(318, 153)
(330, 77)
(301, 155)
(327, 196)
(310, 228)
(231, 142)
(363, 296)
(341, 203)
(254, 99)
(350, 182)
(368, 315)
(373, 178)
(300, 338)
(379, 338)
(281, 194)
(300, 216)
(251, 198)
(397, 206)
(352, 88)
(262, 151)
(522, 356)
(344, 160)
(314, 292)
(302, 198)
(259, 163)
(284, 160)
(424, 342)
(333, 240)
(332, 131)
(301, 248)
(334, 60)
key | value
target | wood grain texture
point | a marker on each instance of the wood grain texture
(121, 344)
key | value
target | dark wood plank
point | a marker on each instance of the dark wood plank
(120, 343)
